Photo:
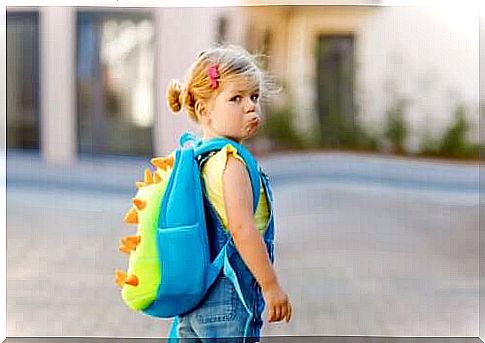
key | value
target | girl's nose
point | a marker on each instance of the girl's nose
(249, 105)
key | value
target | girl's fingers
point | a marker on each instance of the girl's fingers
(277, 313)
(288, 316)
(271, 314)
(285, 312)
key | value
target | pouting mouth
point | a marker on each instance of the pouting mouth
(252, 127)
(254, 122)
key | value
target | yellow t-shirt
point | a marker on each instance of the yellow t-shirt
(212, 172)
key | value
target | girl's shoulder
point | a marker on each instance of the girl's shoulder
(219, 159)
(212, 174)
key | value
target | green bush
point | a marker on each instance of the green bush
(395, 130)
(340, 132)
(453, 142)
(278, 126)
(428, 146)
(335, 132)
(366, 140)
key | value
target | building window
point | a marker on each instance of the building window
(22, 80)
(259, 40)
(222, 30)
(335, 82)
(115, 85)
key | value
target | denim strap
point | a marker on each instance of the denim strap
(173, 335)
(221, 262)
(231, 274)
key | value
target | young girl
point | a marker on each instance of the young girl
(221, 94)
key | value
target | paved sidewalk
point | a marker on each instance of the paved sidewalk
(118, 174)
(357, 258)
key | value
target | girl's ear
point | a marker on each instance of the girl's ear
(201, 110)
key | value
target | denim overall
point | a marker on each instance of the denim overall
(234, 304)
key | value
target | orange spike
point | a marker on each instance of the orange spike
(132, 280)
(156, 177)
(139, 203)
(158, 162)
(139, 184)
(148, 177)
(163, 162)
(125, 249)
(131, 216)
(131, 242)
(135, 239)
(120, 277)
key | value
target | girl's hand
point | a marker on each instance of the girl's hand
(278, 303)
(238, 200)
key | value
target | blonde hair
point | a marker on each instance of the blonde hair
(233, 62)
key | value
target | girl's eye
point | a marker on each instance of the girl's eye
(236, 98)
(255, 97)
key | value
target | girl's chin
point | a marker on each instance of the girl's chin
(234, 138)
(244, 134)
(252, 131)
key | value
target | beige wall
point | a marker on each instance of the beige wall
(433, 56)
(295, 31)
(305, 26)
(181, 33)
(434, 60)
(58, 140)
(275, 20)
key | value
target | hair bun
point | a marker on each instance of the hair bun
(174, 91)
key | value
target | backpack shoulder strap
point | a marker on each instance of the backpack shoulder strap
(215, 144)
(203, 147)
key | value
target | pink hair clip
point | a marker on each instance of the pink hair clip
(213, 75)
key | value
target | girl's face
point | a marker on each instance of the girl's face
(234, 113)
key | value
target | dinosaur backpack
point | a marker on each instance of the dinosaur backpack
(169, 267)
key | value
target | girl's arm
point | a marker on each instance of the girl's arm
(238, 200)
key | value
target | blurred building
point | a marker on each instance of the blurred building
(93, 80)
(355, 64)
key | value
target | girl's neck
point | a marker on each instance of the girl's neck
(208, 135)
